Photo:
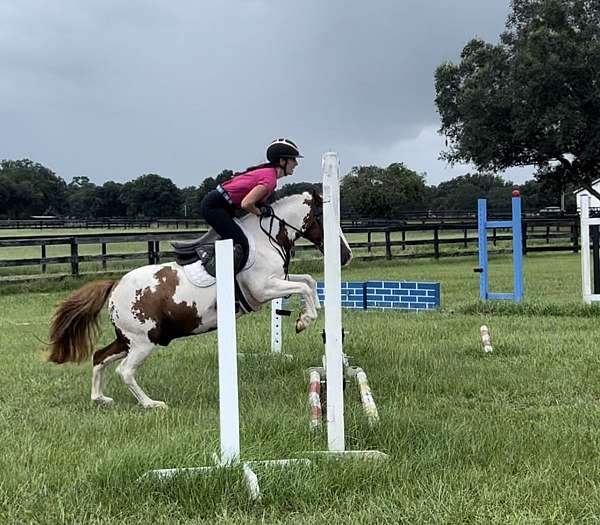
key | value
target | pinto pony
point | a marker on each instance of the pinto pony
(154, 304)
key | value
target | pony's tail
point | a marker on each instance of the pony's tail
(75, 327)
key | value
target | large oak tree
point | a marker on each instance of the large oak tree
(531, 99)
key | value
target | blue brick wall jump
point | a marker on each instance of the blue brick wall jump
(398, 295)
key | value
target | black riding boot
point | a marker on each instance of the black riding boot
(239, 260)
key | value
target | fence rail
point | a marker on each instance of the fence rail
(539, 235)
(403, 218)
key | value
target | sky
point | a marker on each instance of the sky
(114, 89)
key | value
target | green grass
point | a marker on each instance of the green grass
(508, 437)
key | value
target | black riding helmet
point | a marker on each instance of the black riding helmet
(282, 149)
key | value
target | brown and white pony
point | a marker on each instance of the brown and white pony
(155, 304)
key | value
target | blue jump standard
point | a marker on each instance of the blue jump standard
(388, 295)
(517, 249)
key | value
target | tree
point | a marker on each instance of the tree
(537, 195)
(83, 197)
(152, 196)
(373, 192)
(461, 193)
(28, 188)
(532, 99)
(191, 203)
(110, 201)
(294, 188)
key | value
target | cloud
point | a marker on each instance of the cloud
(419, 154)
(114, 89)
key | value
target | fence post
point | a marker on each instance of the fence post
(104, 256)
(436, 242)
(494, 237)
(150, 252)
(404, 239)
(43, 257)
(74, 258)
(388, 246)
(575, 236)
(524, 235)
(369, 237)
(156, 252)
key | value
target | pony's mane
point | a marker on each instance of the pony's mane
(283, 200)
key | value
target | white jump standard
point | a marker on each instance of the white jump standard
(588, 226)
(229, 423)
(334, 358)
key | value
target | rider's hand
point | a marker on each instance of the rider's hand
(266, 210)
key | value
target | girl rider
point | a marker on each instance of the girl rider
(249, 191)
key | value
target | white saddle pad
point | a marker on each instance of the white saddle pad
(198, 276)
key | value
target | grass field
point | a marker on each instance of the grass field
(508, 437)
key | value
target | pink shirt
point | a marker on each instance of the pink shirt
(242, 184)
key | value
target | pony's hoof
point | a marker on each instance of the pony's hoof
(103, 401)
(300, 326)
(156, 404)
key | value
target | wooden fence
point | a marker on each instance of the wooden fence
(539, 235)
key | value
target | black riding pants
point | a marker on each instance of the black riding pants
(220, 214)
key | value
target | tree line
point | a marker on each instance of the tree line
(29, 189)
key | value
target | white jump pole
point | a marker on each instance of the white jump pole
(229, 415)
(229, 412)
(333, 304)
(334, 357)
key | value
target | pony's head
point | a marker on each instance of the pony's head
(307, 221)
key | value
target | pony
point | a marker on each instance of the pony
(154, 304)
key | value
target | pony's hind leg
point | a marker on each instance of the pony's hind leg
(102, 358)
(138, 353)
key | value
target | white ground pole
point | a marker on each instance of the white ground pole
(334, 358)
(586, 269)
(229, 423)
(276, 334)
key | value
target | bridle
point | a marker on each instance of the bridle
(286, 252)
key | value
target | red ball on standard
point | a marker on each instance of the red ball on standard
(516, 193)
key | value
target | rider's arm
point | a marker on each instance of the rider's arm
(256, 194)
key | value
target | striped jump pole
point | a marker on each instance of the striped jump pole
(314, 398)
(366, 398)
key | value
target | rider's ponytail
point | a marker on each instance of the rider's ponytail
(257, 167)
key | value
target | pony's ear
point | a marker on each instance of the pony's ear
(317, 198)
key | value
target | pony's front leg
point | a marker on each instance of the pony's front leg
(275, 288)
(305, 278)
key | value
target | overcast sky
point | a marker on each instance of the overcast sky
(113, 89)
